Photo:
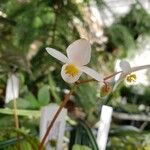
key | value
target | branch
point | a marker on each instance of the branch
(64, 102)
(135, 117)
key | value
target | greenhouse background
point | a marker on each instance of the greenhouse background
(112, 113)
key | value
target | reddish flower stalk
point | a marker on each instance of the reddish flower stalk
(64, 102)
(112, 75)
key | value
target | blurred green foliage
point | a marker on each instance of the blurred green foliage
(128, 138)
(79, 147)
(82, 135)
(27, 27)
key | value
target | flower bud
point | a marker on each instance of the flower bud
(105, 90)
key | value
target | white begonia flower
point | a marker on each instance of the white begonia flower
(79, 55)
(128, 71)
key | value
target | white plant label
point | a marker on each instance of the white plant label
(12, 88)
(54, 140)
(103, 130)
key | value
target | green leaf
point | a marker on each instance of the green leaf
(9, 142)
(33, 140)
(33, 101)
(83, 135)
(21, 104)
(37, 22)
(26, 141)
(53, 88)
(80, 147)
(124, 130)
(44, 95)
(20, 112)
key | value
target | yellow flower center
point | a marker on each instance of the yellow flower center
(72, 70)
(131, 78)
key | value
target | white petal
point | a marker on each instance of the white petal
(67, 78)
(79, 52)
(140, 68)
(58, 55)
(125, 66)
(92, 73)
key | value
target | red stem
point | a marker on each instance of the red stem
(66, 99)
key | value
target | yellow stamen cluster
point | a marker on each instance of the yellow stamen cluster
(131, 78)
(72, 70)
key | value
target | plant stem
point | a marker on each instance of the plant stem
(15, 106)
(90, 80)
(64, 102)
(112, 75)
(66, 99)
(84, 81)
(15, 112)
